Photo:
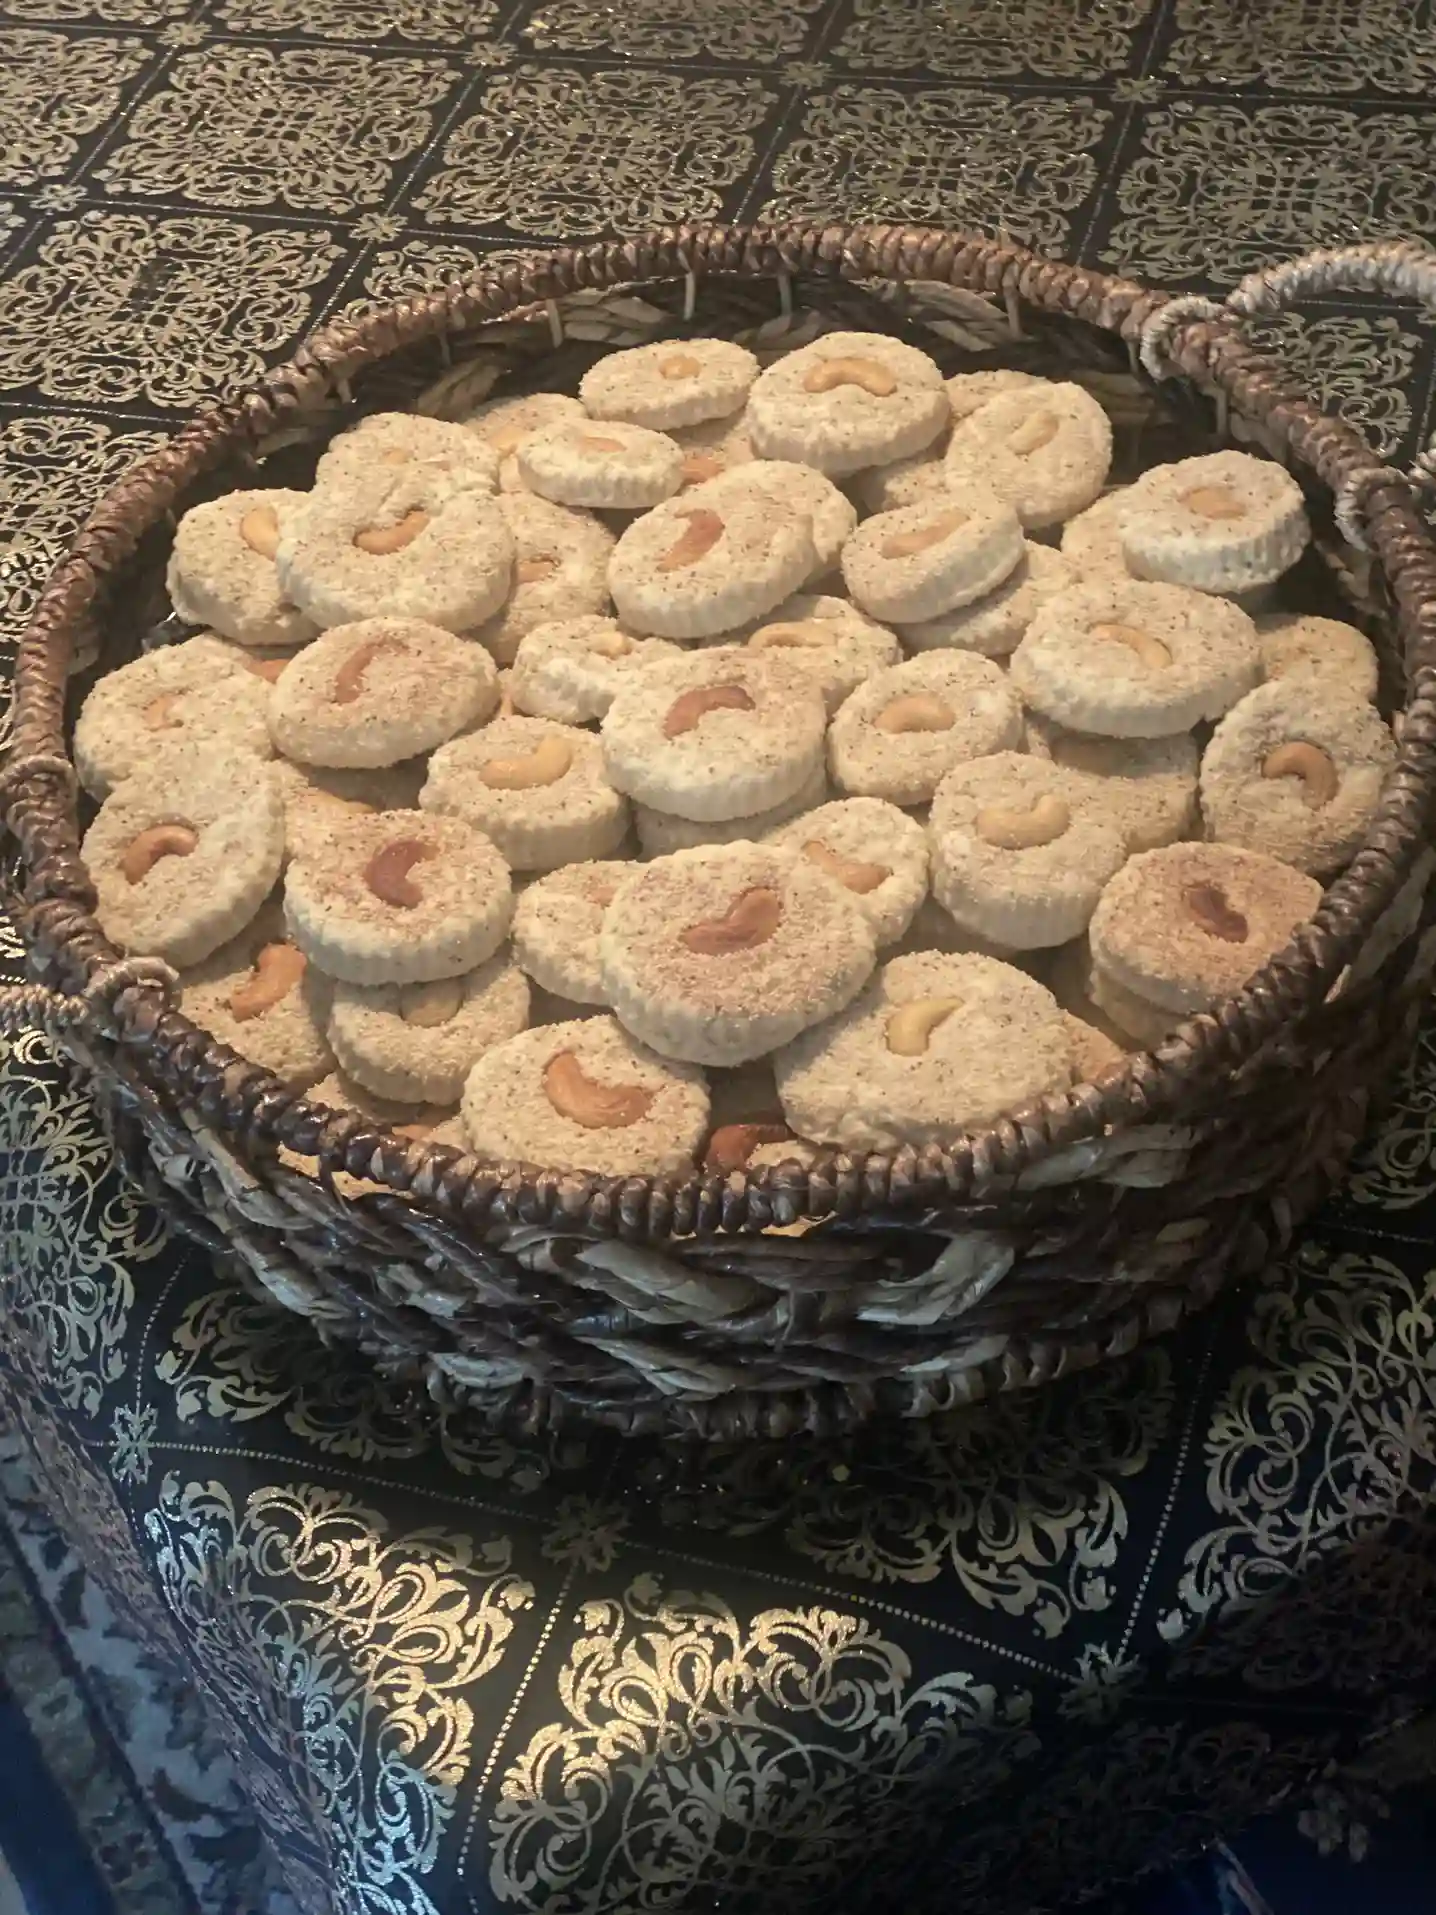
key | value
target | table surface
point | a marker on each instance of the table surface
(999, 1658)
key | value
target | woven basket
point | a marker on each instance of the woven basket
(786, 1299)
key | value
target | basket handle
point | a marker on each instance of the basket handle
(95, 1010)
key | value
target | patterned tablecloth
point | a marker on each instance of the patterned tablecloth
(982, 1663)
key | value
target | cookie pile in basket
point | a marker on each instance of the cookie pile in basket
(728, 762)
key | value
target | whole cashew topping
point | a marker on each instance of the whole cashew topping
(278, 969)
(544, 765)
(750, 920)
(1011, 828)
(690, 707)
(380, 541)
(790, 635)
(430, 1005)
(260, 530)
(1146, 649)
(732, 1145)
(268, 668)
(1214, 913)
(611, 644)
(387, 873)
(160, 712)
(680, 365)
(699, 536)
(906, 545)
(910, 1026)
(919, 711)
(349, 679)
(1214, 502)
(1320, 780)
(698, 466)
(1036, 430)
(851, 873)
(532, 571)
(575, 1095)
(871, 375)
(145, 850)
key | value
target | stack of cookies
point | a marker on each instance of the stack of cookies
(728, 761)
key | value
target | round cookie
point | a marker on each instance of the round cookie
(1046, 449)
(539, 790)
(1224, 522)
(377, 692)
(832, 516)
(222, 569)
(901, 732)
(922, 560)
(694, 570)
(868, 849)
(916, 480)
(710, 449)
(417, 1042)
(504, 424)
(1295, 769)
(1092, 540)
(1126, 659)
(198, 691)
(314, 796)
(557, 921)
(969, 392)
(1096, 1056)
(935, 1047)
(260, 995)
(721, 954)
(600, 462)
(673, 382)
(828, 640)
(994, 625)
(848, 400)
(447, 455)
(1147, 786)
(572, 669)
(560, 571)
(183, 854)
(1300, 645)
(398, 897)
(660, 833)
(1069, 977)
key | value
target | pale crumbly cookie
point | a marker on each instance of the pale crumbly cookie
(183, 855)
(1136, 1018)
(504, 424)
(556, 925)
(379, 691)
(1147, 786)
(869, 849)
(198, 690)
(1224, 522)
(1021, 849)
(994, 624)
(399, 546)
(693, 570)
(261, 661)
(936, 1046)
(560, 571)
(1092, 540)
(713, 448)
(1300, 645)
(674, 382)
(1295, 769)
(831, 514)
(660, 833)
(969, 392)
(601, 462)
(828, 640)
(447, 455)
(398, 897)
(916, 480)
(899, 734)
(715, 735)
(1096, 1056)
(848, 400)
(721, 954)
(1187, 925)
(539, 790)
(260, 995)
(1126, 659)
(315, 796)
(925, 559)
(222, 569)
(417, 1042)
(572, 669)
(1047, 450)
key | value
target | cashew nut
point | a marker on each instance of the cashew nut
(1215, 915)
(1011, 828)
(382, 540)
(689, 707)
(851, 873)
(1146, 649)
(429, 1005)
(1214, 502)
(1036, 430)
(160, 712)
(750, 920)
(906, 545)
(919, 711)
(396, 455)
(575, 1095)
(790, 635)
(544, 765)
(267, 668)
(278, 969)
(349, 679)
(911, 1025)
(732, 1145)
(698, 466)
(874, 377)
(259, 529)
(699, 536)
(145, 850)
(680, 365)
(387, 872)
(611, 644)
(1320, 780)
(599, 442)
(532, 571)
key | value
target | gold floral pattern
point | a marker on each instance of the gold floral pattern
(368, 22)
(1396, 1168)
(1364, 369)
(673, 29)
(1342, 46)
(57, 92)
(54, 466)
(992, 39)
(118, 13)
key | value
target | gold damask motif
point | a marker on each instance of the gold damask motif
(314, 129)
(115, 13)
(1396, 1167)
(54, 468)
(948, 156)
(674, 29)
(568, 153)
(440, 22)
(355, 1657)
(122, 306)
(56, 93)
(1218, 191)
(1342, 46)
(993, 39)
(1363, 369)
(761, 1759)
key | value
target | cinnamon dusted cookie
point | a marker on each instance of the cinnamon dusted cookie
(539, 790)
(1046, 450)
(560, 571)
(994, 625)
(557, 921)
(898, 734)
(314, 796)
(694, 570)
(1147, 786)
(848, 400)
(869, 849)
(416, 1043)
(828, 640)
(674, 382)
(1224, 522)
(925, 559)
(260, 995)
(831, 514)
(222, 569)
(1299, 645)
(198, 691)
(447, 455)
(660, 832)
(600, 462)
(572, 669)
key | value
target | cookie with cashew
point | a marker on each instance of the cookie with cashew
(1224, 522)
(538, 789)
(446, 455)
(560, 571)
(223, 572)
(200, 690)
(1147, 786)
(183, 856)
(969, 392)
(828, 640)
(922, 560)
(315, 796)
(714, 735)
(260, 995)
(1126, 659)
(398, 897)
(904, 730)
(1299, 645)
(504, 424)
(572, 669)
(557, 921)
(673, 382)
(660, 833)
(994, 624)
(600, 462)
(712, 448)
(379, 691)
(719, 955)
(870, 850)
(417, 1042)
(832, 516)
(1046, 450)
(848, 400)
(1091, 540)
(584, 1096)
(936, 1046)
(1295, 769)
(916, 480)
(694, 570)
